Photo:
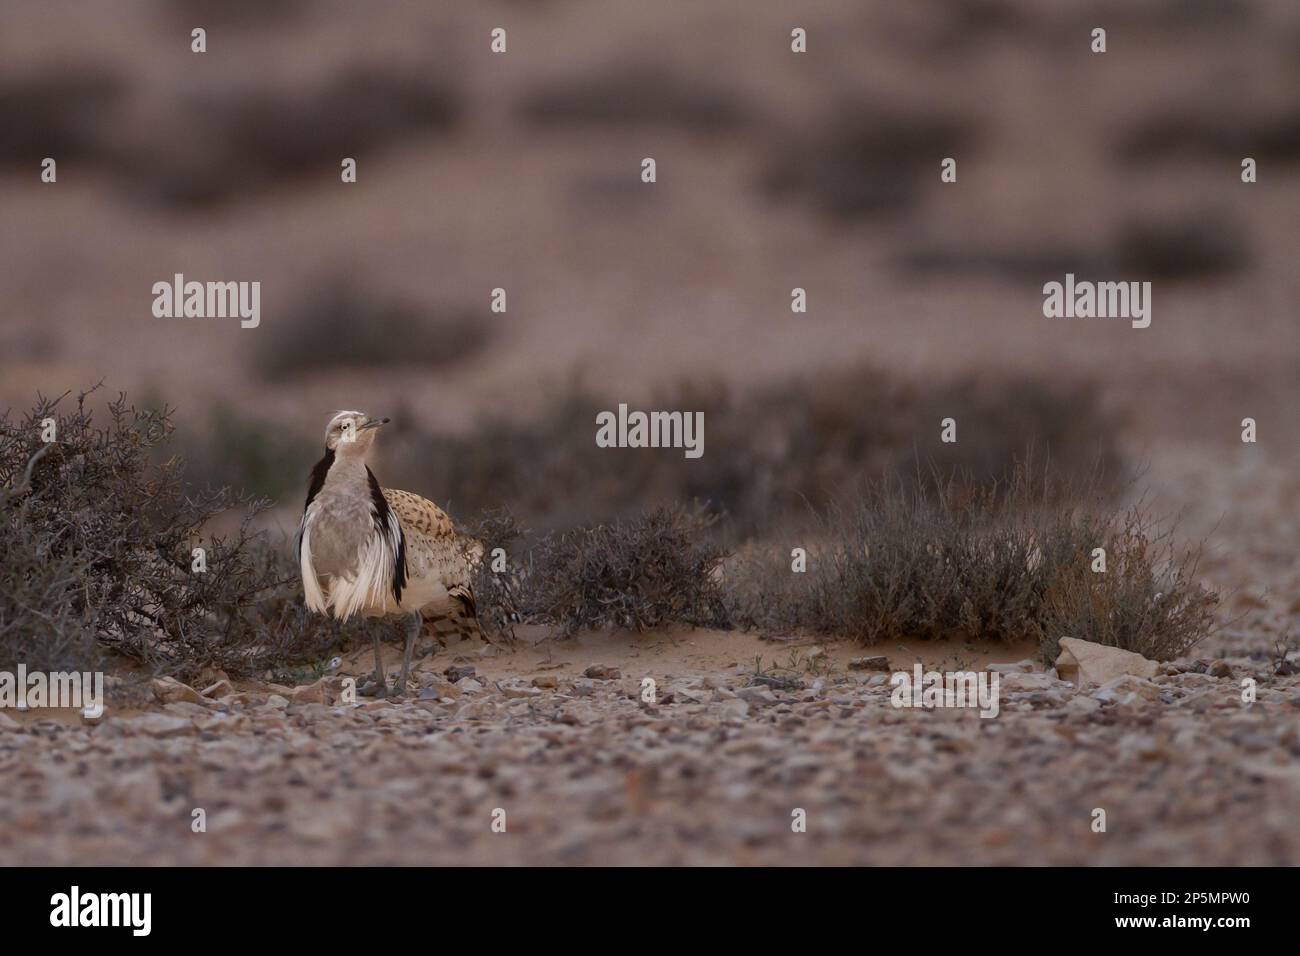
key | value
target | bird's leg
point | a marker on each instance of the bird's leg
(380, 677)
(412, 632)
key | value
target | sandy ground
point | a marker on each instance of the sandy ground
(714, 771)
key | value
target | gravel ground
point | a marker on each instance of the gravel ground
(586, 772)
(713, 771)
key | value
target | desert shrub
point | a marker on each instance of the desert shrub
(496, 589)
(342, 325)
(639, 574)
(100, 557)
(1017, 423)
(929, 559)
(635, 94)
(248, 14)
(40, 624)
(1205, 244)
(277, 135)
(64, 110)
(540, 466)
(851, 166)
(245, 453)
(1148, 601)
(770, 451)
(1177, 132)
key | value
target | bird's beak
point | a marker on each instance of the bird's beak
(375, 423)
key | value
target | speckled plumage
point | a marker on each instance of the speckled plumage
(440, 561)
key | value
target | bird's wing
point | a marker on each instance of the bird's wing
(420, 514)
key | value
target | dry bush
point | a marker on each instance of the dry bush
(64, 111)
(638, 94)
(101, 559)
(244, 453)
(929, 560)
(344, 325)
(1203, 243)
(496, 590)
(237, 14)
(40, 623)
(1148, 601)
(855, 164)
(1011, 422)
(275, 135)
(655, 570)
(768, 452)
(1207, 243)
(1033, 259)
(538, 466)
(1178, 132)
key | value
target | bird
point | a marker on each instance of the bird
(378, 552)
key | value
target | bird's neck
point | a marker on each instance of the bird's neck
(347, 470)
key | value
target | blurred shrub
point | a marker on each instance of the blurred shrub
(1197, 132)
(64, 111)
(864, 159)
(1193, 246)
(1206, 243)
(247, 454)
(636, 94)
(245, 138)
(341, 325)
(234, 13)
(768, 452)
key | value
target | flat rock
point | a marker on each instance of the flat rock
(219, 689)
(317, 692)
(1019, 667)
(168, 690)
(440, 687)
(160, 725)
(1086, 664)
(756, 695)
(1127, 689)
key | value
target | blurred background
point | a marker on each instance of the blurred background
(775, 171)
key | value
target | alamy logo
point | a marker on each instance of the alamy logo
(71, 689)
(1101, 300)
(651, 430)
(103, 909)
(208, 300)
(929, 690)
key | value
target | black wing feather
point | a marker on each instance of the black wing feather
(383, 514)
(317, 482)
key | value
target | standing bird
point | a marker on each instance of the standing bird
(378, 552)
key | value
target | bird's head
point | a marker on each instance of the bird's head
(351, 434)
